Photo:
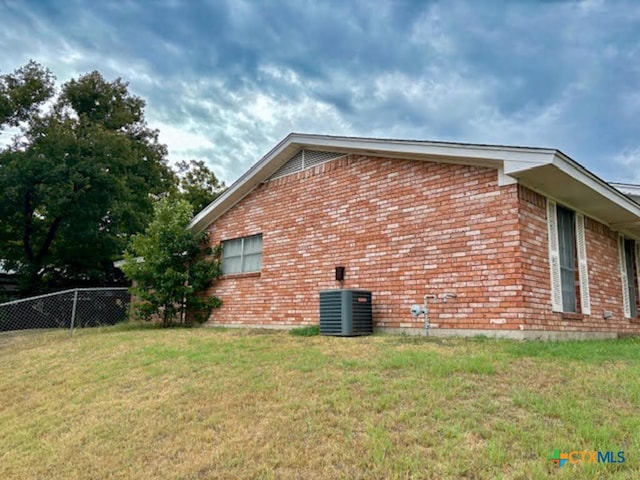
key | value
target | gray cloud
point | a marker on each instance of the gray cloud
(225, 81)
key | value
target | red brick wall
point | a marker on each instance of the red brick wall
(401, 228)
(605, 286)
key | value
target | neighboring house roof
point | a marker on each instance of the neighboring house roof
(120, 263)
(629, 189)
(4, 270)
(547, 171)
(8, 279)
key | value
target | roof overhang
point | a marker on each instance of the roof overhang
(571, 184)
(547, 171)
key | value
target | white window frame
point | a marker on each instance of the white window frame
(583, 268)
(554, 260)
(554, 256)
(638, 266)
(624, 275)
(242, 255)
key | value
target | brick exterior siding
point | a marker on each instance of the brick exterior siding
(605, 285)
(403, 229)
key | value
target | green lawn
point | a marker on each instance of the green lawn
(129, 402)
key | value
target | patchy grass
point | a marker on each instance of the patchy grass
(127, 402)
(309, 331)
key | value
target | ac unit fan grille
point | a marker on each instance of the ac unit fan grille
(345, 312)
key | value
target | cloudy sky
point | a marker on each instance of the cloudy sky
(226, 80)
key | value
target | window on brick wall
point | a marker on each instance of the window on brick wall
(242, 255)
(568, 260)
(629, 255)
(567, 252)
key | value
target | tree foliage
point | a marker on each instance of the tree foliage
(198, 184)
(22, 91)
(170, 265)
(78, 180)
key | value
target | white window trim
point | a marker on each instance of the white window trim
(626, 301)
(554, 260)
(583, 269)
(554, 256)
(638, 264)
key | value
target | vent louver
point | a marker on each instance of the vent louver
(345, 313)
(305, 159)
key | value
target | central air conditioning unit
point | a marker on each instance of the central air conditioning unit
(345, 313)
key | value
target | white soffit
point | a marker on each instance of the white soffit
(571, 184)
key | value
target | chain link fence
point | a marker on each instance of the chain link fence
(77, 308)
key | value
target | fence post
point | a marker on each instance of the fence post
(73, 310)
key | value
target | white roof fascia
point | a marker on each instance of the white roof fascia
(502, 156)
(507, 159)
(433, 149)
(196, 222)
(570, 167)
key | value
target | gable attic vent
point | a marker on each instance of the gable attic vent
(304, 159)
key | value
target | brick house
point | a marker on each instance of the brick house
(531, 243)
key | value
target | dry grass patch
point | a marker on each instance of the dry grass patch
(207, 403)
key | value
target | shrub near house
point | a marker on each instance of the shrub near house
(169, 266)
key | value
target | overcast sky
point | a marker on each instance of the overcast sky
(225, 81)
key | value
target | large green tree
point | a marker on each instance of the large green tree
(170, 266)
(198, 184)
(78, 179)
